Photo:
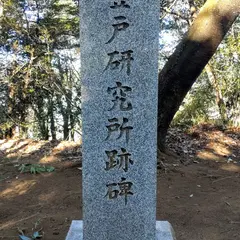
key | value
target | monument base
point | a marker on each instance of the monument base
(164, 231)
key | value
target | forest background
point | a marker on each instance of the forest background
(40, 114)
(40, 84)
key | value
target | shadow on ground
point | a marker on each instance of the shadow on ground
(195, 193)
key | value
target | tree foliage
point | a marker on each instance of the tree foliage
(39, 39)
(40, 81)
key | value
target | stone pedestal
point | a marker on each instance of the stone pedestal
(164, 231)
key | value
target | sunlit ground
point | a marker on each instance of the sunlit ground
(17, 188)
(55, 198)
(42, 151)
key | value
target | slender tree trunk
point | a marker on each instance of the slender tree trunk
(43, 126)
(65, 117)
(72, 126)
(190, 57)
(23, 128)
(52, 121)
(65, 127)
(69, 113)
(9, 132)
(42, 119)
(219, 99)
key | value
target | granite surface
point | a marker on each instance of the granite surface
(119, 74)
(164, 231)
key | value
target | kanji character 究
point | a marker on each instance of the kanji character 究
(119, 94)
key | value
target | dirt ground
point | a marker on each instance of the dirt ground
(198, 186)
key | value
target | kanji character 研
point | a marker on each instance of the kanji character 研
(124, 59)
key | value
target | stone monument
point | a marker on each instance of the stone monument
(119, 69)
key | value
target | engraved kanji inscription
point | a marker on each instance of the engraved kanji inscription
(120, 60)
(119, 127)
(118, 159)
(121, 189)
(121, 25)
(120, 97)
(119, 4)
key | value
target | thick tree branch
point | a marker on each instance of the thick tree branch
(190, 57)
(177, 14)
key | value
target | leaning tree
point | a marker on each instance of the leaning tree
(190, 57)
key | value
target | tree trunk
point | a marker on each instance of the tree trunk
(65, 127)
(69, 113)
(51, 116)
(190, 57)
(9, 133)
(42, 119)
(72, 123)
(11, 113)
(219, 99)
(23, 126)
